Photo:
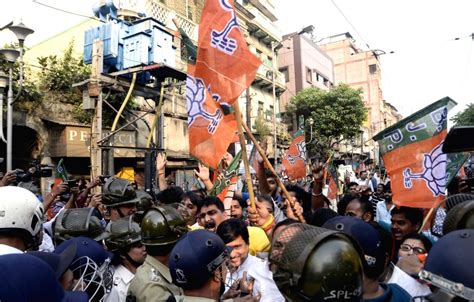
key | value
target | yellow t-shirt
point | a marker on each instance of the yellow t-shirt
(258, 241)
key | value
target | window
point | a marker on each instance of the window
(372, 68)
(285, 73)
(190, 12)
(309, 75)
(260, 108)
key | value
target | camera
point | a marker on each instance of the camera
(36, 171)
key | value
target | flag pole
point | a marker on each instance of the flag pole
(425, 221)
(269, 165)
(243, 146)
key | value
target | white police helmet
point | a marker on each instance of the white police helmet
(21, 210)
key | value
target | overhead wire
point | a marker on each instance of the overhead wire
(350, 23)
(66, 11)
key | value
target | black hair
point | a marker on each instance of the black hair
(211, 200)
(426, 242)
(388, 187)
(352, 184)
(194, 198)
(414, 215)
(242, 204)
(268, 199)
(200, 192)
(172, 194)
(269, 174)
(231, 229)
(342, 204)
(159, 250)
(383, 186)
(321, 215)
(365, 205)
(300, 194)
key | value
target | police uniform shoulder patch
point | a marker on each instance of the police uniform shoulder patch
(154, 275)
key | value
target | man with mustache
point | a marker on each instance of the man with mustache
(211, 214)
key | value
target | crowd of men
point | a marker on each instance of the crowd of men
(125, 244)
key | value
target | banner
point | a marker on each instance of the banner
(411, 151)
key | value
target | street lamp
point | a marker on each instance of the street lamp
(11, 55)
(275, 46)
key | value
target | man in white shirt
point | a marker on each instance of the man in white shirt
(363, 180)
(21, 220)
(235, 235)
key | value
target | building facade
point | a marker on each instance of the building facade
(56, 126)
(361, 69)
(304, 65)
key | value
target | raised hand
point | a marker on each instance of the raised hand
(160, 163)
(318, 171)
(258, 216)
(203, 173)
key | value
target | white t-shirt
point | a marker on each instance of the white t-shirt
(408, 283)
(122, 279)
(6, 250)
(257, 269)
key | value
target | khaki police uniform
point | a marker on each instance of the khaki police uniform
(152, 282)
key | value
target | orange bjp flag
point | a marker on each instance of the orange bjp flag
(224, 61)
(294, 160)
(224, 69)
(413, 157)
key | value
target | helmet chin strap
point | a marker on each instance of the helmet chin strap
(135, 264)
(120, 212)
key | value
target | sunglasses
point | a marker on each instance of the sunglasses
(416, 250)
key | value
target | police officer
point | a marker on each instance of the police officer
(21, 220)
(145, 201)
(449, 268)
(124, 241)
(300, 275)
(161, 228)
(72, 223)
(119, 197)
(198, 265)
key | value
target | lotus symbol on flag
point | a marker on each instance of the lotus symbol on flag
(221, 39)
(301, 148)
(434, 173)
(196, 97)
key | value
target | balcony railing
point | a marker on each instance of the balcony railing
(165, 15)
(265, 73)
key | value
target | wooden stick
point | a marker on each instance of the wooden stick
(243, 145)
(269, 165)
(427, 218)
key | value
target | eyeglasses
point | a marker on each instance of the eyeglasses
(416, 250)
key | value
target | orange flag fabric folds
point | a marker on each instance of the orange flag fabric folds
(224, 69)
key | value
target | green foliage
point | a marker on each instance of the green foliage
(466, 117)
(261, 127)
(337, 114)
(58, 75)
